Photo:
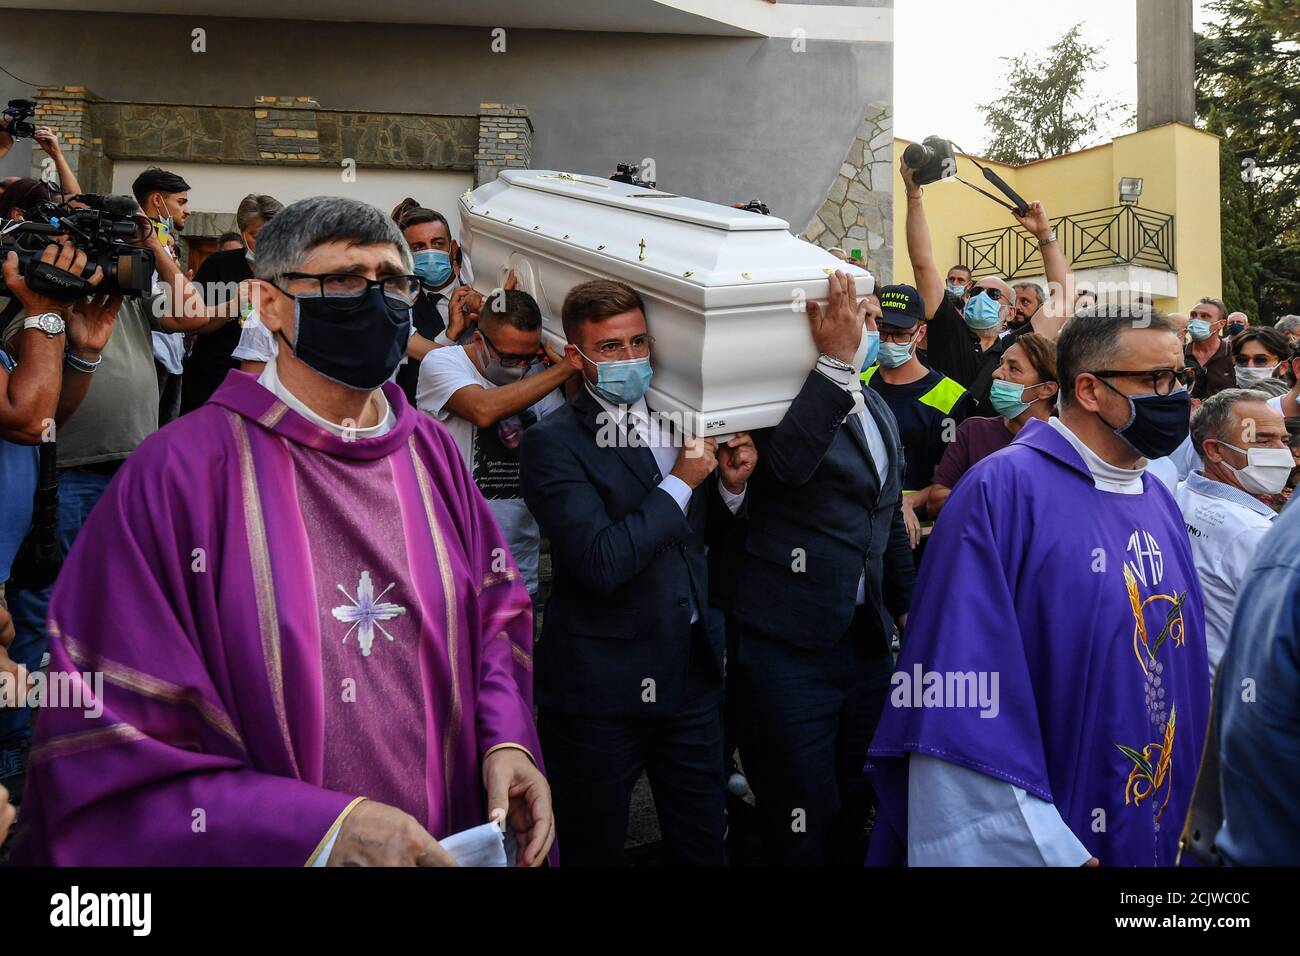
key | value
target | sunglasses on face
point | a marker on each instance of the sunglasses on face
(1259, 361)
(994, 294)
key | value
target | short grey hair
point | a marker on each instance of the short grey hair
(1216, 418)
(1089, 339)
(286, 242)
(1034, 287)
(1288, 324)
(255, 207)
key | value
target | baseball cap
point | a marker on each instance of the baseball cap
(901, 306)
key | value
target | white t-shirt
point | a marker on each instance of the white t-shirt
(492, 454)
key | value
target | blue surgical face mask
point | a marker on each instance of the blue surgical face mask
(873, 350)
(1198, 329)
(981, 312)
(433, 266)
(623, 382)
(1007, 398)
(894, 354)
(957, 289)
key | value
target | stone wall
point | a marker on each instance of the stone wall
(276, 130)
(858, 212)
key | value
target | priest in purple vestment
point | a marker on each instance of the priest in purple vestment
(1050, 704)
(315, 646)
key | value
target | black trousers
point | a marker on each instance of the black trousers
(805, 719)
(594, 762)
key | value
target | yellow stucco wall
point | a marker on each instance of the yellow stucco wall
(1180, 166)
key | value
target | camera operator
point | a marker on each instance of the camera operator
(48, 141)
(966, 345)
(47, 360)
(119, 409)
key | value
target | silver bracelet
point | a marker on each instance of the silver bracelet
(833, 362)
(80, 364)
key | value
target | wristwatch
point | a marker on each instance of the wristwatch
(1051, 237)
(51, 323)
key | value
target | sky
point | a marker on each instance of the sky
(944, 68)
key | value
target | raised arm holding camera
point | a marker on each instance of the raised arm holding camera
(967, 344)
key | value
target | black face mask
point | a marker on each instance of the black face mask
(1157, 424)
(359, 347)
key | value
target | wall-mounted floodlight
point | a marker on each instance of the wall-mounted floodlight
(1130, 188)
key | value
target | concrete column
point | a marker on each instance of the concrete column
(1166, 63)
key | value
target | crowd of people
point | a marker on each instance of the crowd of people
(964, 604)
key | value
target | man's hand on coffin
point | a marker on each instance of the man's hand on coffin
(837, 330)
(736, 461)
(696, 460)
(555, 358)
(462, 311)
(375, 834)
(520, 795)
(512, 280)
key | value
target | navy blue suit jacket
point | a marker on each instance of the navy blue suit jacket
(627, 567)
(817, 517)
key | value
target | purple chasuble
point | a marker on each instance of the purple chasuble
(286, 621)
(1057, 642)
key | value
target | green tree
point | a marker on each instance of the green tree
(1248, 76)
(1044, 109)
(1237, 230)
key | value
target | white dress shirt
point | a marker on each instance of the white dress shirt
(852, 384)
(665, 450)
(960, 817)
(1225, 525)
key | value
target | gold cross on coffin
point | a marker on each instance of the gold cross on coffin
(641, 258)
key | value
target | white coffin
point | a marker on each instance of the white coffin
(724, 288)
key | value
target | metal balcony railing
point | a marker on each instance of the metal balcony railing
(1118, 235)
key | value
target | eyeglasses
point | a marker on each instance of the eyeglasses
(1162, 380)
(994, 294)
(1259, 361)
(640, 345)
(342, 290)
(509, 359)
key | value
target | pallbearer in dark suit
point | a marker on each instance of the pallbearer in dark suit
(824, 548)
(629, 664)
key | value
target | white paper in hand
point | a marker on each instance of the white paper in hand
(484, 845)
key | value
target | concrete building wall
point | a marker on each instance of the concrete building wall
(726, 119)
